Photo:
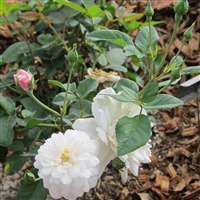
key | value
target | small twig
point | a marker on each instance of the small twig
(35, 63)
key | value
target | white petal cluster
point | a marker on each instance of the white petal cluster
(68, 164)
(107, 111)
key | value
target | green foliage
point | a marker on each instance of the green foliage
(149, 93)
(127, 83)
(90, 84)
(142, 39)
(14, 163)
(126, 95)
(113, 36)
(132, 133)
(32, 191)
(163, 101)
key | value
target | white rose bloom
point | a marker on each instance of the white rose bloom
(133, 159)
(68, 164)
(107, 111)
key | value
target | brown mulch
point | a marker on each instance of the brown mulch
(174, 172)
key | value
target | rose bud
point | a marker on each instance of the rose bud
(23, 80)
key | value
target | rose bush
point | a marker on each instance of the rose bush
(70, 40)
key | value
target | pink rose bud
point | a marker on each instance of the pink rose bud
(23, 79)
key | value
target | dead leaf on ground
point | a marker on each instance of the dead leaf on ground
(160, 4)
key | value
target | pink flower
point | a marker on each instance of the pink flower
(23, 79)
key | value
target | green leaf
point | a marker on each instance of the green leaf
(15, 51)
(115, 56)
(6, 80)
(191, 70)
(87, 3)
(32, 152)
(57, 83)
(163, 101)
(6, 130)
(126, 95)
(32, 191)
(17, 145)
(61, 14)
(132, 133)
(32, 123)
(39, 112)
(117, 67)
(32, 136)
(5, 9)
(72, 87)
(163, 83)
(11, 7)
(95, 11)
(59, 99)
(117, 163)
(14, 163)
(142, 40)
(13, 16)
(4, 6)
(46, 39)
(85, 87)
(81, 109)
(27, 113)
(149, 92)
(7, 103)
(131, 50)
(102, 60)
(113, 36)
(132, 17)
(73, 6)
(127, 83)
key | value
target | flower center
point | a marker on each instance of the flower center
(65, 156)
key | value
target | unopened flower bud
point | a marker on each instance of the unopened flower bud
(72, 55)
(181, 7)
(29, 177)
(24, 80)
(188, 33)
(149, 12)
